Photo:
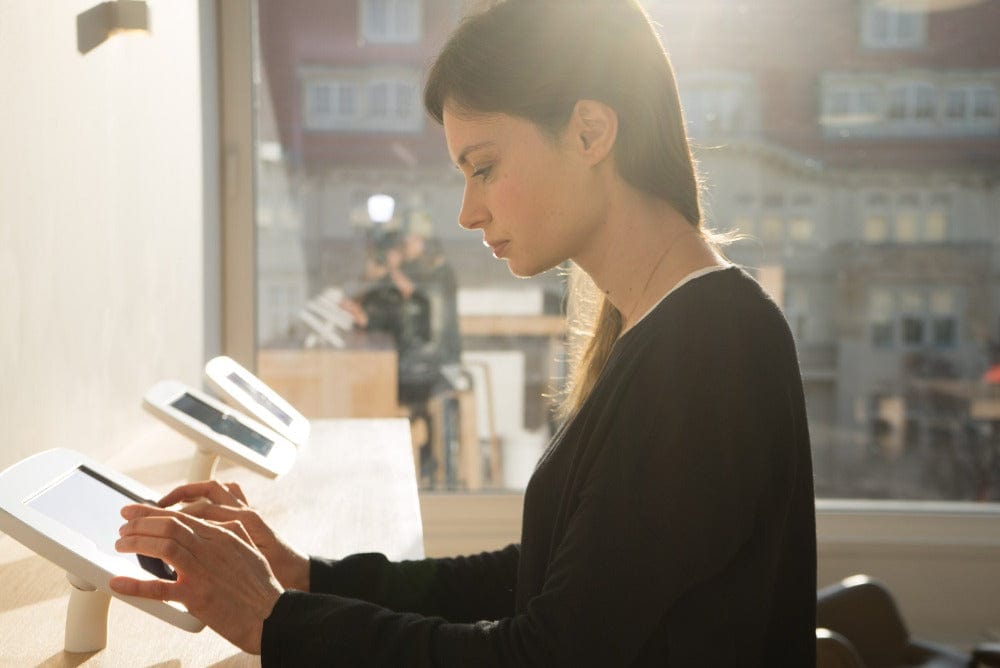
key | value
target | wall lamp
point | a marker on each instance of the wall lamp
(101, 22)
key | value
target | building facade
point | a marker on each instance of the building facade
(854, 145)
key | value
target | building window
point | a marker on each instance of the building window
(360, 102)
(876, 229)
(911, 102)
(718, 103)
(984, 104)
(943, 332)
(391, 21)
(945, 103)
(971, 102)
(906, 227)
(909, 217)
(885, 27)
(880, 310)
(921, 317)
(855, 102)
(801, 230)
(912, 330)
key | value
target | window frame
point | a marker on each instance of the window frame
(849, 531)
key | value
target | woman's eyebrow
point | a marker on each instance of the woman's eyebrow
(463, 156)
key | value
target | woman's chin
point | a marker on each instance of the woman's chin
(525, 269)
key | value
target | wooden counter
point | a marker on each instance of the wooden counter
(352, 489)
(334, 382)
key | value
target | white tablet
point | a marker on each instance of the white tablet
(65, 507)
(252, 394)
(218, 430)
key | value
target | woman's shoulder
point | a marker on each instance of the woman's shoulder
(708, 300)
(722, 314)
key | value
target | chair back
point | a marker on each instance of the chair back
(835, 651)
(863, 611)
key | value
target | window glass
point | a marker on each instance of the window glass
(906, 227)
(887, 26)
(876, 229)
(857, 176)
(390, 21)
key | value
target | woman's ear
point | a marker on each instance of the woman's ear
(593, 128)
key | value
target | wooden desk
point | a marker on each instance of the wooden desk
(357, 381)
(353, 489)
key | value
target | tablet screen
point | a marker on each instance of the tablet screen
(89, 504)
(259, 397)
(223, 424)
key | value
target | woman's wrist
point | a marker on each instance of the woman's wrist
(297, 573)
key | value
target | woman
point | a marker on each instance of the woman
(670, 521)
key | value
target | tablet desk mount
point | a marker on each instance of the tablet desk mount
(65, 507)
(86, 617)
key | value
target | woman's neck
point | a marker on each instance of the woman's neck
(644, 249)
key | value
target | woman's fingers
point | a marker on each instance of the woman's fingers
(237, 528)
(212, 490)
(222, 579)
(237, 492)
(157, 589)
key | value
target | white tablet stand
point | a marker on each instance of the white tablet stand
(65, 507)
(86, 617)
(246, 392)
(202, 465)
(218, 431)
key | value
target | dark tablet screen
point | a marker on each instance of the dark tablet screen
(259, 397)
(223, 424)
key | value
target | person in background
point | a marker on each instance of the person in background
(411, 294)
(671, 520)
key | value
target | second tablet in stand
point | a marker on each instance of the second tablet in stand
(218, 431)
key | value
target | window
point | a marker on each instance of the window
(887, 27)
(984, 105)
(718, 103)
(906, 226)
(906, 217)
(853, 104)
(971, 103)
(876, 229)
(362, 101)
(391, 21)
(911, 102)
(881, 312)
(923, 318)
(801, 230)
(887, 267)
(886, 104)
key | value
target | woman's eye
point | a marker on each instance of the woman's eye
(483, 171)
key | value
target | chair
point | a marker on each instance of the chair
(862, 612)
(835, 651)
(470, 427)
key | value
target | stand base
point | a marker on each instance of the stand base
(202, 466)
(86, 617)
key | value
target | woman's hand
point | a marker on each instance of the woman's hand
(221, 578)
(217, 502)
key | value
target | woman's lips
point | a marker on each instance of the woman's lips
(498, 248)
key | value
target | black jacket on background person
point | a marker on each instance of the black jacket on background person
(670, 523)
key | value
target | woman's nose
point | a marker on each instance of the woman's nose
(473, 213)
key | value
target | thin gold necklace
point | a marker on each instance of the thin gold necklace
(649, 279)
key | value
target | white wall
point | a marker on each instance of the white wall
(103, 203)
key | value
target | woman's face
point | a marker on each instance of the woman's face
(526, 192)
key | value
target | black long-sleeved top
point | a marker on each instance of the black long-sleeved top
(670, 522)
